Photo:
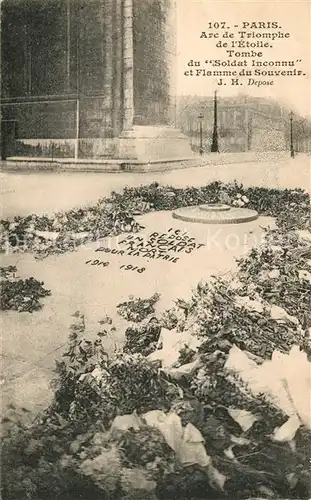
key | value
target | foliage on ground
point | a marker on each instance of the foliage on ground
(138, 309)
(65, 231)
(74, 450)
(22, 295)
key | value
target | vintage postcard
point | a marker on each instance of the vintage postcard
(155, 249)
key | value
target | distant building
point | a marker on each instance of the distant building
(301, 134)
(244, 123)
(89, 78)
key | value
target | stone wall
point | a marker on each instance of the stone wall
(54, 51)
(47, 120)
(34, 48)
(87, 71)
(151, 62)
(65, 148)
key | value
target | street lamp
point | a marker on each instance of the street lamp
(201, 117)
(292, 151)
(214, 148)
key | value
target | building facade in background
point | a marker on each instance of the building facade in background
(244, 124)
(89, 78)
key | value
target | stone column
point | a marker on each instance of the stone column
(108, 65)
(68, 45)
(171, 48)
(117, 80)
(128, 65)
(155, 142)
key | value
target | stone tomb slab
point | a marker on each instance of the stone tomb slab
(168, 256)
(215, 214)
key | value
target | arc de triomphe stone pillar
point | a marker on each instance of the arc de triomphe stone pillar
(149, 83)
(91, 79)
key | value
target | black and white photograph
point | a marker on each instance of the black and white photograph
(155, 278)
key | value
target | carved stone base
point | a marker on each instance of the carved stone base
(147, 144)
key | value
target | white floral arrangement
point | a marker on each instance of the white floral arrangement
(240, 201)
(237, 200)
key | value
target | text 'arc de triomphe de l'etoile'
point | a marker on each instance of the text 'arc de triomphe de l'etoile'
(95, 78)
